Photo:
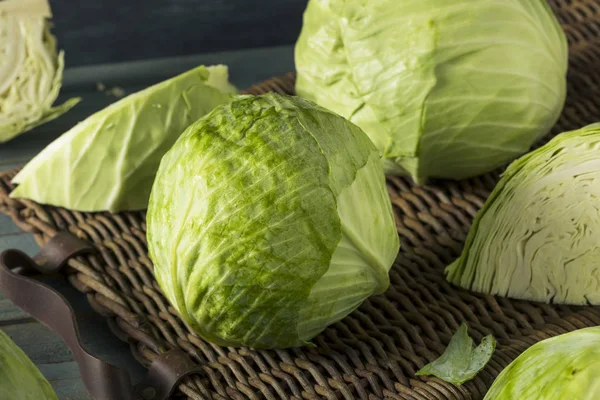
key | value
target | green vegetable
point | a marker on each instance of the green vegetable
(461, 362)
(269, 220)
(447, 89)
(563, 367)
(536, 237)
(19, 377)
(30, 68)
(109, 161)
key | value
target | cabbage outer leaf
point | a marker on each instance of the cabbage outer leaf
(447, 89)
(108, 161)
(247, 211)
(369, 242)
(537, 236)
(19, 377)
(563, 367)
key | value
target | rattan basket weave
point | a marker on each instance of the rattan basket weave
(373, 353)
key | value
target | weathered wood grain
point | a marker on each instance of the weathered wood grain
(27, 336)
(65, 380)
(7, 228)
(9, 312)
(11, 315)
(51, 356)
(106, 31)
(22, 241)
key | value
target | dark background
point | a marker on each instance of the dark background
(107, 31)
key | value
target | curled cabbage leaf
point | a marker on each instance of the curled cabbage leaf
(108, 161)
(20, 379)
(268, 221)
(538, 235)
(563, 367)
(446, 89)
(460, 362)
(30, 68)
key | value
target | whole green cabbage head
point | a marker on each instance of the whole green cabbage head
(268, 221)
(446, 89)
(564, 367)
(19, 377)
(538, 235)
(30, 68)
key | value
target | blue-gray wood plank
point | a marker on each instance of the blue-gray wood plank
(43, 346)
(109, 31)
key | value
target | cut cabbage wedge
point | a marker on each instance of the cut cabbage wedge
(108, 162)
(538, 235)
(31, 69)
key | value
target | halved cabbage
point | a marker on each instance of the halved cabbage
(538, 235)
(30, 68)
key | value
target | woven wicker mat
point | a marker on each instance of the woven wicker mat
(374, 352)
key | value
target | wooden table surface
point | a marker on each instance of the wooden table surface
(44, 347)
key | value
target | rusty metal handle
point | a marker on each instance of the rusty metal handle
(103, 381)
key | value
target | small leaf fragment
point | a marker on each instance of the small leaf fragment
(461, 362)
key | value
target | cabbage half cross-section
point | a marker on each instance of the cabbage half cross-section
(444, 88)
(30, 68)
(268, 221)
(538, 235)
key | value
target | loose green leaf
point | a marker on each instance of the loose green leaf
(31, 68)
(109, 161)
(20, 379)
(461, 362)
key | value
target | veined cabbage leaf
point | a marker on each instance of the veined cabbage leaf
(460, 361)
(444, 88)
(109, 161)
(268, 221)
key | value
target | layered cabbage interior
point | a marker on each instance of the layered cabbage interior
(538, 236)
